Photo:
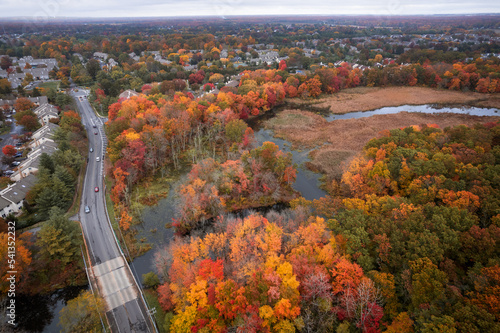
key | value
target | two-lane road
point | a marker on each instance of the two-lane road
(126, 311)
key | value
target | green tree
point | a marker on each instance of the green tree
(65, 176)
(428, 282)
(444, 324)
(150, 280)
(47, 162)
(62, 100)
(235, 130)
(82, 314)
(59, 238)
(93, 67)
(45, 200)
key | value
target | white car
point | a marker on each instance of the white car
(97, 158)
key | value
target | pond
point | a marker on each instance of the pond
(473, 111)
(307, 182)
(40, 313)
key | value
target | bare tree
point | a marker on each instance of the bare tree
(363, 304)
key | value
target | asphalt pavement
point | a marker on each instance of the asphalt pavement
(7, 139)
(126, 310)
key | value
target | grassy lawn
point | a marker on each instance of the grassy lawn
(48, 85)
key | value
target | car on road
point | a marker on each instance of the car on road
(91, 150)
(8, 172)
(97, 158)
(94, 126)
(95, 132)
(87, 209)
(15, 163)
(96, 189)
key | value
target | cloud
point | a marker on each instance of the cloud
(157, 8)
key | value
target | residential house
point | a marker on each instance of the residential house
(101, 56)
(127, 94)
(12, 197)
(42, 135)
(46, 112)
(32, 162)
(112, 63)
(36, 100)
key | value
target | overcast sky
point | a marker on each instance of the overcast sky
(43, 9)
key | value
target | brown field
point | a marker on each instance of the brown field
(365, 98)
(339, 141)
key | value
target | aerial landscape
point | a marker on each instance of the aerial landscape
(248, 166)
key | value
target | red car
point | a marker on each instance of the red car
(95, 133)
(96, 189)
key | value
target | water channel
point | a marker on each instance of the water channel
(43, 311)
(307, 182)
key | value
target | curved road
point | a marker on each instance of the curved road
(126, 311)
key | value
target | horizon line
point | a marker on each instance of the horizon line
(55, 18)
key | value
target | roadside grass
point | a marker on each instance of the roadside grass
(75, 207)
(127, 241)
(153, 303)
(111, 208)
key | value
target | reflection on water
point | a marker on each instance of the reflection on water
(40, 313)
(473, 111)
(307, 182)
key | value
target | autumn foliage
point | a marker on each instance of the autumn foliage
(9, 150)
(261, 177)
(419, 214)
(266, 274)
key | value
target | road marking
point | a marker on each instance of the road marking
(116, 285)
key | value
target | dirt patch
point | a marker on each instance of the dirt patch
(340, 140)
(365, 98)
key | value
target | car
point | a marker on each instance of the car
(96, 189)
(18, 155)
(16, 163)
(95, 132)
(94, 126)
(91, 150)
(87, 209)
(97, 158)
(9, 172)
